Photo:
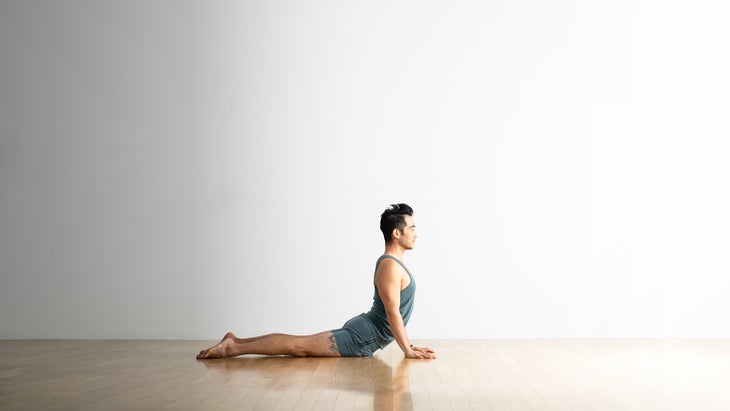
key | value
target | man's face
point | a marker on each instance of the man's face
(408, 235)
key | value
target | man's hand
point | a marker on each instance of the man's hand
(421, 353)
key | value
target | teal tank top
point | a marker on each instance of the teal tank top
(377, 312)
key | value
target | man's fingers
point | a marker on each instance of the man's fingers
(421, 353)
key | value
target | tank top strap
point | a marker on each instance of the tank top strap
(384, 256)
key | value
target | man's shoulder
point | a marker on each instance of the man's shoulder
(388, 264)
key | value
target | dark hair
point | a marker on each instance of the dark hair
(394, 218)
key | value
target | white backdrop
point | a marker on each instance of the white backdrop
(180, 169)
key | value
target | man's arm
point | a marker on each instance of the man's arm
(388, 281)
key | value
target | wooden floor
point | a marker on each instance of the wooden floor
(469, 374)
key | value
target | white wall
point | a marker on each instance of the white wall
(181, 169)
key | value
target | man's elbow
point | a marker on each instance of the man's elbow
(393, 315)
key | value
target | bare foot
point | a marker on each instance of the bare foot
(220, 350)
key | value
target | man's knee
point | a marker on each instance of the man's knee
(300, 353)
(298, 348)
(318, 345)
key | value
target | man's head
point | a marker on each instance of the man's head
(396, 223)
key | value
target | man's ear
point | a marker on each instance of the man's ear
(395, 234)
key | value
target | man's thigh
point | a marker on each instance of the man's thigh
(319, 345)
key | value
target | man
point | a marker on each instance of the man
(362, 335)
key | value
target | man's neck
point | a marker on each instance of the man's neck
(395, 250)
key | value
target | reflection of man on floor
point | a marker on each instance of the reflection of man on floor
(382, 377)
(395, 289)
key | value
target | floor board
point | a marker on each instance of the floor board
(571, 374)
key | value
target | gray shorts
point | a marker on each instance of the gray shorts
(357, 338)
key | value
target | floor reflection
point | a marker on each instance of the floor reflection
(373, 377)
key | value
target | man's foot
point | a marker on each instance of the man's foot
(220, 350)
(229, 336)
